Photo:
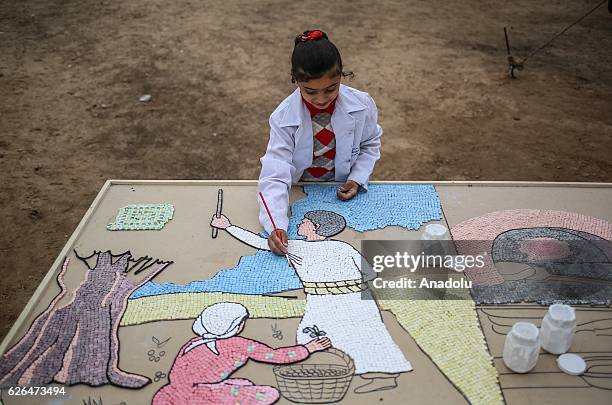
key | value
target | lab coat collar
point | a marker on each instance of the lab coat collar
(296, 110)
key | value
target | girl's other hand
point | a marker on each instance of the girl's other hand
(348, 190)
(318, 344)
(278, 246)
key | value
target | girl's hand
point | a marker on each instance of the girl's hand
(278, 246)
(348, 190)
(222, 222)
(318, 344)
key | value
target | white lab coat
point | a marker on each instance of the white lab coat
(289, 152)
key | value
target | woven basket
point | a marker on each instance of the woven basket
(316, 383)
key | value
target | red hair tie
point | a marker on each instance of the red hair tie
(312, 36)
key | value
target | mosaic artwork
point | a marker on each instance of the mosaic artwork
(327, 300)
(433, 325)
(339, 309)
(240, 279)
(562, 266)
(140, 217)
(201, 372)
(408, 206)
(189, 306)
(478, 234)
(77, 342)
(443, 330)
(572, 266)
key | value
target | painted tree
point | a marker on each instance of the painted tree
(77, 342)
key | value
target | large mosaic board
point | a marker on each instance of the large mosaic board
(116, 319)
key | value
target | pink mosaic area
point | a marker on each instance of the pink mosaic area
(544, 249)
(478, 234)
(200, 376)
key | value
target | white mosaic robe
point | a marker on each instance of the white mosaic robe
(351, 321)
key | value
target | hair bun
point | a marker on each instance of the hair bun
(313, 35)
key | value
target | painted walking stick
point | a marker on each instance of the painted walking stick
(215, 231)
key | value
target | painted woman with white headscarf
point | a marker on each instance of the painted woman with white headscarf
(200, 373)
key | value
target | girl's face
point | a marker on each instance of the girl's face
(322, 91)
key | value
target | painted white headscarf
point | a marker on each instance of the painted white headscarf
(218, 321)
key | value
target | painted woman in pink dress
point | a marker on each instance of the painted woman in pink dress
(202, 369)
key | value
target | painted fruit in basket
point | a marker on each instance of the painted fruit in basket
(314, 373)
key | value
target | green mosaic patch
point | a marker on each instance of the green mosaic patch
(139, 217)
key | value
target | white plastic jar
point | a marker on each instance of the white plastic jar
(436, 240)
(558, 328)
(522, 347)
(435, 232)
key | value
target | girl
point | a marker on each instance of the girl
(201, 370)
(323, 131)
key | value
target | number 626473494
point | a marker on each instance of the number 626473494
(34, 391)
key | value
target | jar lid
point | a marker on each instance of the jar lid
(571, 364)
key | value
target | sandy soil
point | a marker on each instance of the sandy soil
(71, 73)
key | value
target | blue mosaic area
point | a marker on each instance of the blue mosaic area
(408, 206)
(261, 273)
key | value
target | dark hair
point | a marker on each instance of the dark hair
(313, 56)
(328, 223)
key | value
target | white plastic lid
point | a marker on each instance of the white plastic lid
(571, 364)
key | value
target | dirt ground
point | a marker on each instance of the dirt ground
(71, 74)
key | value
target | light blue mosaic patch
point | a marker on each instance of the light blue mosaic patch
(261, 273)
(408, 206)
